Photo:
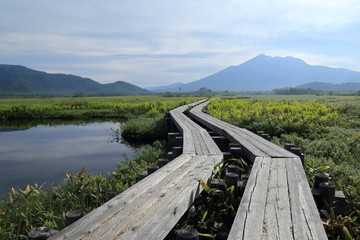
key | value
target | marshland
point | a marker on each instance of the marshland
(325, 127)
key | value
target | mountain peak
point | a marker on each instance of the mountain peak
(265, 73)
(265, 58)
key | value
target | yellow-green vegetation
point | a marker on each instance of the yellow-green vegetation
(274, 118)
(326, 128)
(88, 107)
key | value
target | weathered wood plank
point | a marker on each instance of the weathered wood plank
(277, 221)
(131, 213)
(249, 218)
(94, 219)
(164, 219)
(305, 216)
(283, 208)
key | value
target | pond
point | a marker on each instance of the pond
(46, 153)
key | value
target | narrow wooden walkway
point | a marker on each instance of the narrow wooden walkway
(277, 202)
(152, 207)
(253, 145)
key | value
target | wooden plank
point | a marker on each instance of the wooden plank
(305, 216)
(277, 221)
(248, 222)
(164, 219)
(277, 205)
(88, 222)
(133, 210)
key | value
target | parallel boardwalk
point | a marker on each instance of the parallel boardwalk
(152, 207)
(253, 145)
(277, 202)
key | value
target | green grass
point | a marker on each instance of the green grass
(325, 127)
(33, 207)
(87, 108)
(331, 145)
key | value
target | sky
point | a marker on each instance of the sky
(160, 42)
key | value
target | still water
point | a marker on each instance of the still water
(46, 153)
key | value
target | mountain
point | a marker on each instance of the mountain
(165, 88)
(124, 88)
(264, 73)
(340, 87)
(22, 80)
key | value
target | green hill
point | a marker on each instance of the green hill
(21, 81)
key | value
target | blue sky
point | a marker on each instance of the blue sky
(159, 42)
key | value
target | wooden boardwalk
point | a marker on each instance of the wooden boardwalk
(152, 207)
(277, 202)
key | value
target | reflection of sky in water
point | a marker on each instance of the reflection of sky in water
(45, 154)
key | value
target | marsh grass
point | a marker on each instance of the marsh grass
(144, 129)
(327, 130)
(34, 206)
(86, 108)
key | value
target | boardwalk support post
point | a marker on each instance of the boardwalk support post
(151, 169)
(297, 151)
(319, 178)
(221, 141)
(176, 151)
(41, 233)
(179, 141)
(232, 179)
(162, 162)
(73, 216)
(287, 146)
(326, 193)
(142, 175)
(172, 137)
(235, 152)
(265, 136)
(187, 234)
(233, 169)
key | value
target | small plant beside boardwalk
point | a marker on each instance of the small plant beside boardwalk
(328, 132)
(214, 210)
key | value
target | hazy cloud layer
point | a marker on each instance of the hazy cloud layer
(159, 42)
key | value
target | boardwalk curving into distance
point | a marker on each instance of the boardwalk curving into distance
(277, 202)
(151, 208)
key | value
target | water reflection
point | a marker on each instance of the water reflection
(46, 153)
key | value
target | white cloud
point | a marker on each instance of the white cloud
(140, 33)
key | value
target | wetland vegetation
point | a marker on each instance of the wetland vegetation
(325, 127)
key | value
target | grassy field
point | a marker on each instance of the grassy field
(122, 99)
(325, 127)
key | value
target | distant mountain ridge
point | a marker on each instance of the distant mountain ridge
(265, 73)
(23, 80)
(165, 87)
(341, 87)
